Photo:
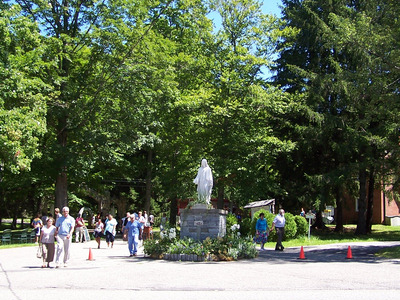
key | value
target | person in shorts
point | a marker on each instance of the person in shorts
(37, 224)
(110, 230)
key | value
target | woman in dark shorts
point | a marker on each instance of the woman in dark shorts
(98, 231)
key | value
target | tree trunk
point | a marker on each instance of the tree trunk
(362, 221)
(148, 181)
(319, 223)
(339, 213)
(61, 189)
(14, 222)
(173, 211)
(370, 201)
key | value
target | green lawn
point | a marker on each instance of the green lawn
(389, 252)
(324, 237)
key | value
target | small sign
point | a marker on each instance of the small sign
(310, 216)
(198, 223)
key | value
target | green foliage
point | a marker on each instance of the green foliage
(290, 226)
(22, 91)
(230, 247)
(301, 225)
(230, 220)
(186, 246)
(156, 247)
(245, 227)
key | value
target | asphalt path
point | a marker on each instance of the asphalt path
(325, 273)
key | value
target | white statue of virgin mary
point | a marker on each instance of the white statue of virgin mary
(204, 181)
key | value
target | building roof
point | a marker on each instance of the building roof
(260, 203)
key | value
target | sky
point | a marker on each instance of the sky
(272, 7)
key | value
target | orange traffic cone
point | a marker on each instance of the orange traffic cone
(349, 255)
(90, 254)
(302, 256)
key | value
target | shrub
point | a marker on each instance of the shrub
(186, 246)
(290, 227)
(156, 248)
(302, 226)
(230, 247)
(230, 221)
(245, 227)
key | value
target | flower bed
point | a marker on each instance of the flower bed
(230, 247)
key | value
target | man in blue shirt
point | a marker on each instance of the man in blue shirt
(133, 227)
(279, 224)
(64, 230)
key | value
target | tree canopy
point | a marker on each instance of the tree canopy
(126, 97)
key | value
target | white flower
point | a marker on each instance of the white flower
(235, 227)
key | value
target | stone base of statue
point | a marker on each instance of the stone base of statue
(198, 222)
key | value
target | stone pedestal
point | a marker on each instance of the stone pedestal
(198, 222)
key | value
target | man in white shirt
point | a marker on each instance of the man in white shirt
(279, 224)
(64, 230)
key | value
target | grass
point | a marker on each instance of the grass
(328, 236)
(389, 253)
(17, 245)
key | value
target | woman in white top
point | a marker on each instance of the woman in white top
(47, 240)
(98, 231)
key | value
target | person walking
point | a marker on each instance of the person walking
(57, 214)
(98, 231)
(279, 224)
(124, 230)
(64, 232)
(37, 224)
(47, 236)
(261, 231)
(142, 222)
(133, 227)
(79, 224)
(110, 231)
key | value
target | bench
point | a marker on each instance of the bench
(6, 236)
(21, 236)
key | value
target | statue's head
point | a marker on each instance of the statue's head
(204, 163)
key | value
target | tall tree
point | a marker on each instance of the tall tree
(343, 84)
(235, 121)
(23, 96)
(92, 42)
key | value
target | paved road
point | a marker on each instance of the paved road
(324, 274)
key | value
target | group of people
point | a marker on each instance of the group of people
(60, 230)
(133, 226)
(262, 230)
(107, 229)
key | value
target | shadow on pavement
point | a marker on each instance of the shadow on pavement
(360, 254)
